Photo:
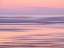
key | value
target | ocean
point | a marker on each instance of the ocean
(31, 31)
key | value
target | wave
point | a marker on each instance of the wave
(47, 20)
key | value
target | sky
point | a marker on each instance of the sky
(30, 5)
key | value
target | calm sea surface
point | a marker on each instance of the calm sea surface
(31, 31)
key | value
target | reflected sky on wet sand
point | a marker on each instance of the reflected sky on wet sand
(33, 35)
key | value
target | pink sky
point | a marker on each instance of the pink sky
(32, 6)
(10, 4)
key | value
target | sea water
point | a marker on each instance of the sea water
(32, 31)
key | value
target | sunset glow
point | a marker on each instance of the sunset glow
(31, 23)
(31, 3)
